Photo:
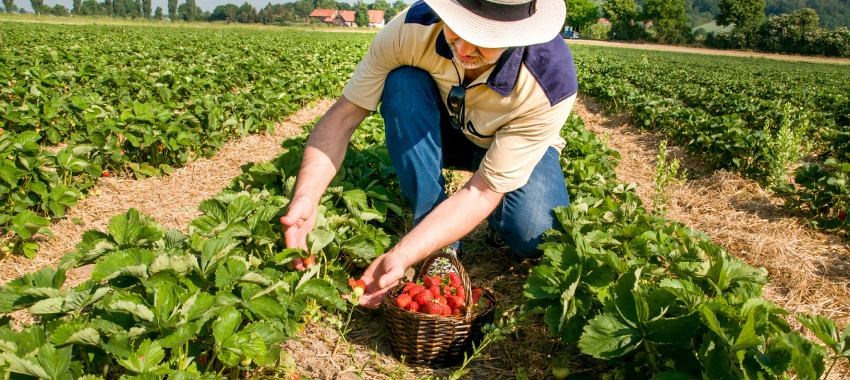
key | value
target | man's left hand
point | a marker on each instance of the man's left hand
(381, 276)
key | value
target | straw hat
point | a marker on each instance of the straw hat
(502, 23)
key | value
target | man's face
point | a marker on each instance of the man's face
(468, 55)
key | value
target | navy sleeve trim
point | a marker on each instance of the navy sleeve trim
(421, 13)
(551, 63)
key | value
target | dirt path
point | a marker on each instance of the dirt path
(707, 51)
(809, 270)
(171, 200)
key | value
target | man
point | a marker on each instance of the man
(483, 85)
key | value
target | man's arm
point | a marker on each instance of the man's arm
(450, 221)
(322, 158)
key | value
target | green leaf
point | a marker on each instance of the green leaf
(225, 325)
(26, 223)
(55, 362)
(130, 262)
(806, 358)
(674, 331)
(823, 328)
(605, 337)
(75, 333)
(179, 264)
(747, 338)
(322, 292)
(146, 359)
(318, 239)
(133, 229)
(24, 366)
(134, 307)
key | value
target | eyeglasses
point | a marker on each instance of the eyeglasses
(456, 104)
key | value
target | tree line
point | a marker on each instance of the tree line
(748, 26)
(292, 12)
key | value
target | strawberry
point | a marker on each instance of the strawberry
(403, 300)
(454, 280)
(456, 312)
(842, 215)
(105, 173)
(441, 300)
(423, 298)
(448, 290)
(412, 306)
(476, 295)
(430, 282)
(460, 292)
(357, 286)
(432, 308)
(415, 289)
(302, 264)
(435, 290)
(454, 301)
(446, 311)
(408, 286)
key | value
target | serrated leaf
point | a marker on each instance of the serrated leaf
(145, 359)
(605, 337)
(55, 362)
(23, 366)
(179, 264)
(75, 333)
(823, 328)
(134, 308)
(225, 325)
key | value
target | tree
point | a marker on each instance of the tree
(76, 7)
(397, 7)
(741, 13)
(146, 8)
(108, 5)
(669, 20)
(225, 12)
(361, 15)
(189, 11)
(172, 9)
(246, 13)
(623, 14)
(581, 14)
(157, 14)
(380, 5)
(9, 5)
(37, 5)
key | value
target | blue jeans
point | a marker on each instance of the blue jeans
(421, 142)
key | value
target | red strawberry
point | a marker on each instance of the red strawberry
(415, 289)
(448, 290)
(357, 286)
(441, 300)
(408, 286)
(424, 297)
(460, 292)
(403, 300)
(842, 215)
(454, 301)
(105, 173)
(456, 312)
(454, 280)
(430, 282)
(433, 308)
(412, 306)
(435, 290)
(303, 264)
(446, 311)
(476, 295)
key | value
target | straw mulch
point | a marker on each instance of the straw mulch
(171, 200)
(809, 270)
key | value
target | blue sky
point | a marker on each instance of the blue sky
(207, 5)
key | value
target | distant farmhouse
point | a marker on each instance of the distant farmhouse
(346, 18)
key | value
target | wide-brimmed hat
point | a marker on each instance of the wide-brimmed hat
(502, 23)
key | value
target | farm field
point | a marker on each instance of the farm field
(623, 290)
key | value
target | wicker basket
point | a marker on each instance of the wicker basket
(432, 340)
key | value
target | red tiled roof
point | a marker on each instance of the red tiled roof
(318, 12)
(604, 21)
(347, 16)
(376, 17)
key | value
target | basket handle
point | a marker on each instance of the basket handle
(464, 277)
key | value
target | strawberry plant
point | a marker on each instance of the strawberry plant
(650, 297)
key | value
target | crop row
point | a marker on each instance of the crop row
(80, 102)
(209, 303)
(761, 118)
(641, 295)
(650, 298)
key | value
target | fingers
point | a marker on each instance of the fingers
(373, 300)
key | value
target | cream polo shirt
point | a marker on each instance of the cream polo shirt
(515, 110)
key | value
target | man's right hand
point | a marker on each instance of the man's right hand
(296, 224)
